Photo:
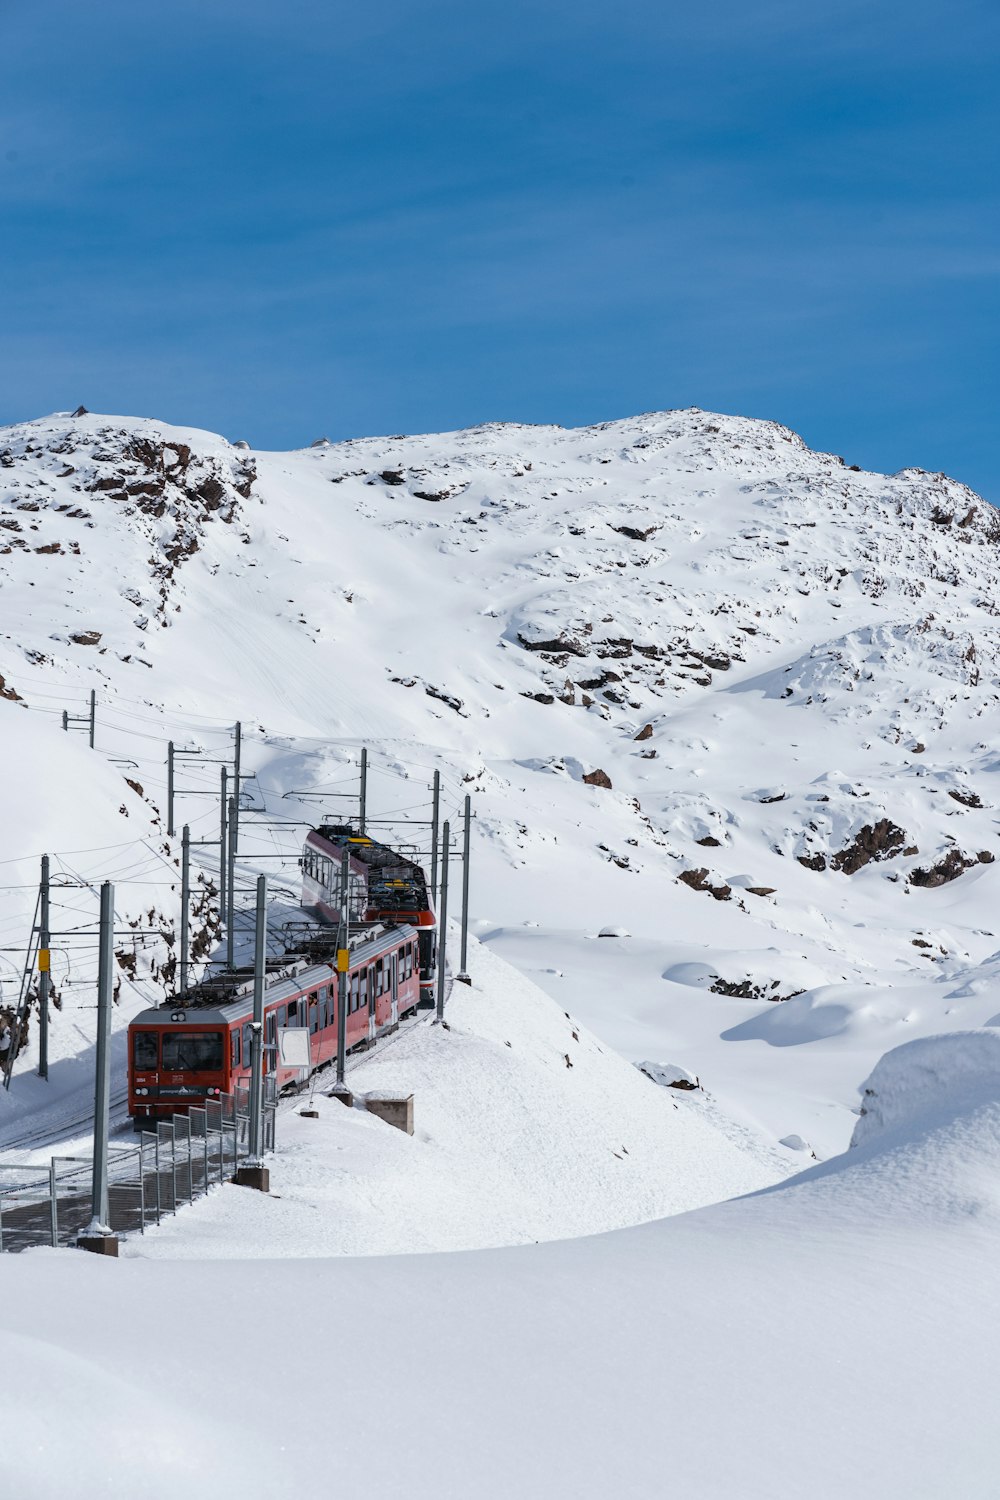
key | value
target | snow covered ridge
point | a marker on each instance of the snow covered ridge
(705, 686)
(927, 1082)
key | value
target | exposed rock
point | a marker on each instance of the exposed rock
(598, 778)
(967, 799)
(86, 637)
(637, 533)
(563, 645)
(747, 989)
(812, 861)
(876, 841)
(947, 869)
(708, 842)
(449, 698)
(698, 881)
(645, 733)
(760, 890)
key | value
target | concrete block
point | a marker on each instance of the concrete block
(253, 1177)
(98, 1244)
(343, 1093)
(394, 1109)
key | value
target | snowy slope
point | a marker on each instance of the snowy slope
(832, 1336)
(809, 652)
(526, 1128)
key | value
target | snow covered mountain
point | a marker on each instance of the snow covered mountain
(707, 688)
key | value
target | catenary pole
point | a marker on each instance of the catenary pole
(363, 811)
(93, 716)
(185, 905)
(443, 920)
(343, 962)
(237, 759)
(231, 886)
(102, 1088)
(223, 844)
(463, 971)
(435, 812)
(170, 789)
(44, 970)
(257, 1030)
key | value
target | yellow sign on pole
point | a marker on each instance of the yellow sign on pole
(44, 963)
(343, 960)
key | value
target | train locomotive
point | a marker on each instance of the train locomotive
(197, 1045)
(384, 886)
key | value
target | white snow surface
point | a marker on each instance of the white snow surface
(780, 665)
(833, 1334)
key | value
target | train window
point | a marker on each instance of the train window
(145, 1050)
(192, 1051)
(235, 1057)
(313, 1016)
(293, 1010)
(247, 1042)
(355, 991)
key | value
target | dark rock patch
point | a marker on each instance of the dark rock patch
(876, 841)
(698, 881)
(947, 869)
(561, 644)
(598, 778)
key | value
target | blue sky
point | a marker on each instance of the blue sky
(286, 220)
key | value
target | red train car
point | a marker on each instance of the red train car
(198, 1046)
(383, 886)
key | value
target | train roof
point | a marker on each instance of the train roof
(228, 995)
(395, 882)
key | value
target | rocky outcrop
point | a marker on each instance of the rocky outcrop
(876, 841)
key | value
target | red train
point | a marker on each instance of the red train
(199, 1046)
(383, 886)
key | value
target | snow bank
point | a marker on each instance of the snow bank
(928, 1081)
(673, 1355)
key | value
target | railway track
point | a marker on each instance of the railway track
(55, 1127)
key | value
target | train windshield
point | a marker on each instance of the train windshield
(192, 1051)
(145, 1050)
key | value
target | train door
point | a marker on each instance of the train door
(394, 1017)
(371, 1003)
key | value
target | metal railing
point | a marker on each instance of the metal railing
(179, 1161)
